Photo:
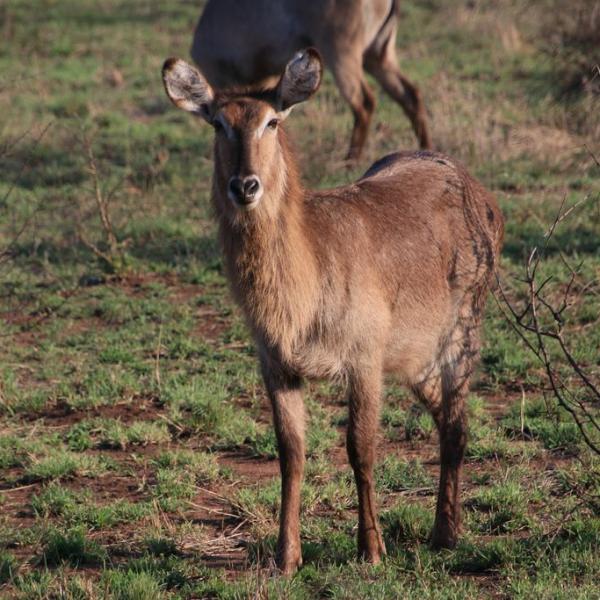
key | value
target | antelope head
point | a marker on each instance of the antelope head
(250, 158)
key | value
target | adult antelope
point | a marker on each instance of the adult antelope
(248, 42)
(388, 274)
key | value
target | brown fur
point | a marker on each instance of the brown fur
(249, 42)
(386, 275)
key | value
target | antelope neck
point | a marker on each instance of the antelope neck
(271, 262)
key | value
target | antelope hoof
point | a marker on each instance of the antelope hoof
(288, 562)
(444, 535)
(371, 547)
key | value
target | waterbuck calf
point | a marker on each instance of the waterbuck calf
(388, 274)
(243, 42)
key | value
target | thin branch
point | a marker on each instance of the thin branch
(113, 256)
(527, 320)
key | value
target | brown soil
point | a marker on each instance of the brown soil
(250, 469)
(62, 414)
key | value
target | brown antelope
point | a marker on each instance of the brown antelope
(386, 275)
(248, 42)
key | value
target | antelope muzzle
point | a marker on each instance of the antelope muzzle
(245, 192)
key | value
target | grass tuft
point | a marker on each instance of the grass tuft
(71, 546)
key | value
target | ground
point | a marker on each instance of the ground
(137, 460)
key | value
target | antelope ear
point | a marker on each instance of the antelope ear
(187, 88)
(301, 78)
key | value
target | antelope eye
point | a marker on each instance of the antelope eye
(272, 124)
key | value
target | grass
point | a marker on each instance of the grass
(70, 546)
(75, 508)
(137, 459)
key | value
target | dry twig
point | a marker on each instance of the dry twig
(540, 323)
(114, 255)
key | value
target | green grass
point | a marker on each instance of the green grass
(394, 475)
(79, 508)
(137, 458)
(57, 464)
(70, 546)
(8, 567)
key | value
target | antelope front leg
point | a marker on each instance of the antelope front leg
(364, 393)
(288, 417)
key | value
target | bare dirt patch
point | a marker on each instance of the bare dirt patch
(110, 487)
(62, 414)
(250, 469)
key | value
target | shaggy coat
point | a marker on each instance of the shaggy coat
(386, 275)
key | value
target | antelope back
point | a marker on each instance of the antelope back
(249, 41)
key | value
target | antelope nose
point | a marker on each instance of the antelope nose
(244, 189)
(251, 186)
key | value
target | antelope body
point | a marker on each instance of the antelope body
(248, 42)
(386, 275)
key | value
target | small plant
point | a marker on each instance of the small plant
(500, 509)
(201, 405)
(78, 438)
(406, 524)
(419, 424)
(61, 463)
(131, 585)
(72, 547)
(203, 465)
(479, 558)
(110, 250)
(541, 420)
(56, 466)
(8, 567)
(486, 442)
(113, 433)
(55, 500)
(174, 487)
(394, 475)
(265, 444)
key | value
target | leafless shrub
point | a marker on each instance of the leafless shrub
(109, 250)
(541, 320)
